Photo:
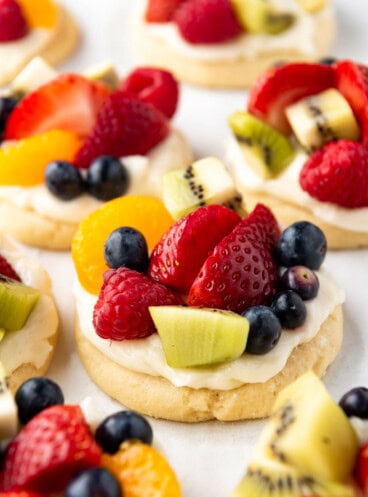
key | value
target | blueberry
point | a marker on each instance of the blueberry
(94, 482)
(302, 244)
(290, 309)
(122, 426)
(64, 180)
(328, 61)
(355, 402)
(7, 104)
(301, 280)
(35, 395)
(107, 178)
(264, 329)
(127, 247)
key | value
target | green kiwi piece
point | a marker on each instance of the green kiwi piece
(266, 150)
(193, 336)
(260, 16)
(16, 303)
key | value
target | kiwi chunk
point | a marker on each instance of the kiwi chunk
(16, 304)
(103, 73)
(205, 182)
(266, 150)
(260, 16)
(199, 336)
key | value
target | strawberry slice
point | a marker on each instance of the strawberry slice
(161, 10)
(70, 102)
(283, 85)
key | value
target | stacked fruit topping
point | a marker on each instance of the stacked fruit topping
(56, 451)
(13, 24)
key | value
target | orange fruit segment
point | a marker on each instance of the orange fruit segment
(142, 471)
(146, 214)
(39, 13)
(23, 163)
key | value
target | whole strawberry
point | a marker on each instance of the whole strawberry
(51, 448)
(7, 270)
(121, 311)
(13, 24)
(241, 271)
(338, 173)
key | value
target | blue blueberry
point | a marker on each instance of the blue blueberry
(35, 395)
(127, 247)
(94, 482)
(355, 402)
(302, 244)
(264, 329)
(301, 280)
(122, 426)
(328, 61)
(64, 180)
(290, 309)
(107, 178)
(7, 105)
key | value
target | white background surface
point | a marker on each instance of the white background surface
(209, 458)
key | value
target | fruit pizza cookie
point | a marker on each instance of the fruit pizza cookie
(73, 141)
(223, 313)
(228, 43)
(29, 28)
(52, 448)
(311, 445)
(28, 316)
(301, 147)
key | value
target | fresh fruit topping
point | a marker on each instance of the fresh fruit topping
(301, 280)
(289, 309)
(206, 181)
(266, 150)
(7, 270)
(40, 13)
(161, 10)
(8, 414)
(7, 105)
(64, 180)
(49, 450)
(181, 252)
(258, 16)
(199, 337)
(35, 395)
(283, 85)
(107, 178)
(20, 493)
(322, 118)
(141, 470)
(69, 102)
(328, 61)
(16, 304)
(154, 86)
(264, 329)
(120, 427)
(302, 244)
(355, 402)
(146, 214)
(361, 469)
(13, 24)
(313, 6)
(198, 21)
(23, 163)
(126, 247)
(241, 271)
(338, 173)
(121, 311)
(104, 73)
(125, 126)
(94, 482)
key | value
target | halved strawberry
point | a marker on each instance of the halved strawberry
(70, 102)
(283, 85)
(161, 10)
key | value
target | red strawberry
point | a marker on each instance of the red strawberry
(125, 126)
(154, 86)
(20, 493)
(338, 173)
(49, 451)
(241, 271)
(179, 255)
(361, 469)
(121, 311)
(283, 85)
(13, 24)
(69, 102)
(207, 21)
(161, 10)
(7, 270)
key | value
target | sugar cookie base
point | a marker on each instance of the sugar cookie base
(157, 397)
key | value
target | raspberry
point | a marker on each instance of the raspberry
(161, 10)
(7, 270)
(121, 311)
(338, 173)
(13, 24)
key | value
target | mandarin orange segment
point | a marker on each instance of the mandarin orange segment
(146, 214)
(23, 163)
(142, 471)
(39, 13)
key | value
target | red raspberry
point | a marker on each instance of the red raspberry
(207, 21)
(7, 270)
(161, 10)
(154, 86)
(121, 311)
(125, 126)
(338, 173)
(13, 24)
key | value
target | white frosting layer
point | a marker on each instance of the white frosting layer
(146, 355)
(286, 187)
